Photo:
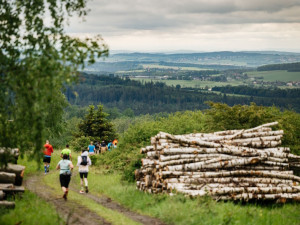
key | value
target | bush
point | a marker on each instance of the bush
(94, 159)
(80, 143)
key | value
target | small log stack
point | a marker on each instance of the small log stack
(227, 165)
(11, 176)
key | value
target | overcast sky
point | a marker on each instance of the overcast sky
(195, 25)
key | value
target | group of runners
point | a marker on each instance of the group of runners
(96, 148)
(65, 165)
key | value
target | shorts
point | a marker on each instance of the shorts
(83, 175)
(47, 159)
(64, 180)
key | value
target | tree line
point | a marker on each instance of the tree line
(290, 67)
(261, 92)
(155, 97)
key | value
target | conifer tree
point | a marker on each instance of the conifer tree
(96, 125)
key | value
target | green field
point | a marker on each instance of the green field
(152, 66)
(276, 75)
(191, 83)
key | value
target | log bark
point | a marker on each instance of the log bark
(14, 189)
(16, 169)
(221, 164)
(3, 186)
(7, 177)
(7, 204)
(1, 195)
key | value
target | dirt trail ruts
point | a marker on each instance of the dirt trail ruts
(72, 212)
(108, 203)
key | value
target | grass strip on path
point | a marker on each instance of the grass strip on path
(110, 215)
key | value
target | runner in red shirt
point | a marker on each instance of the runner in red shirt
(47, 156)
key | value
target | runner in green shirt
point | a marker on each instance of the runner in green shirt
(66, 151)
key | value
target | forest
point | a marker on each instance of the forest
(290, 67)
(261, 92)
(151, 97)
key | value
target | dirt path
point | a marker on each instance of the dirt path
(70, 211)
(108, 203)
(77, 214)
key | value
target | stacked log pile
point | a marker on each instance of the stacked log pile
(228, 165)
(11, 176)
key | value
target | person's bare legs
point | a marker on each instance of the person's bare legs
(65, 190)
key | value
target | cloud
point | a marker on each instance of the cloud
(159, 19)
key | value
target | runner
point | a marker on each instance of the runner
(65, 167)
(66, 151)
(109, 146)
(84, 162)
(103, 147)
(91, 148)
(96, 147)
(47, 156)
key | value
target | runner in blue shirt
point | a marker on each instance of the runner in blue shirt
(91, 149)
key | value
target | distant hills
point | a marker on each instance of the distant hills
(215, 60)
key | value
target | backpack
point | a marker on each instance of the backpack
(83, 160)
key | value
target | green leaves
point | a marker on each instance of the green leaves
(36, 59)
(96, 125)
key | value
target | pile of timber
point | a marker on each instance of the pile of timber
(11, 176)
(227, 165)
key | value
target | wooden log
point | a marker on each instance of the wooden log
(231, 132)
(221, 164)
(16, 169)
(261, 126)
(252, 173)
(255, 139)
(138, 174)
(14, 189)
(163, 158)
(226, 180)
(9, 151)
(7, 204)
(276, 163)
(215, 186)
(3, 186)
(7, 177)
(248, 196)
(9, 154)
(256, 190)
(2, 195)
(226, 150)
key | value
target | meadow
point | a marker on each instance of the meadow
(191, 83)
(277, 75)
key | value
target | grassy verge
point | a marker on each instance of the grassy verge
(29, 210)
(181, 210)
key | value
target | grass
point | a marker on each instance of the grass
(182, 210)
(176, 209)
(152, 66)
(30, 210)
(106, 213)
(192, 83)
(276, 75)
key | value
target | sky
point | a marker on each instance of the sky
(192, 25)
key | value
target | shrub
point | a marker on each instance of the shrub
(80, 143)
